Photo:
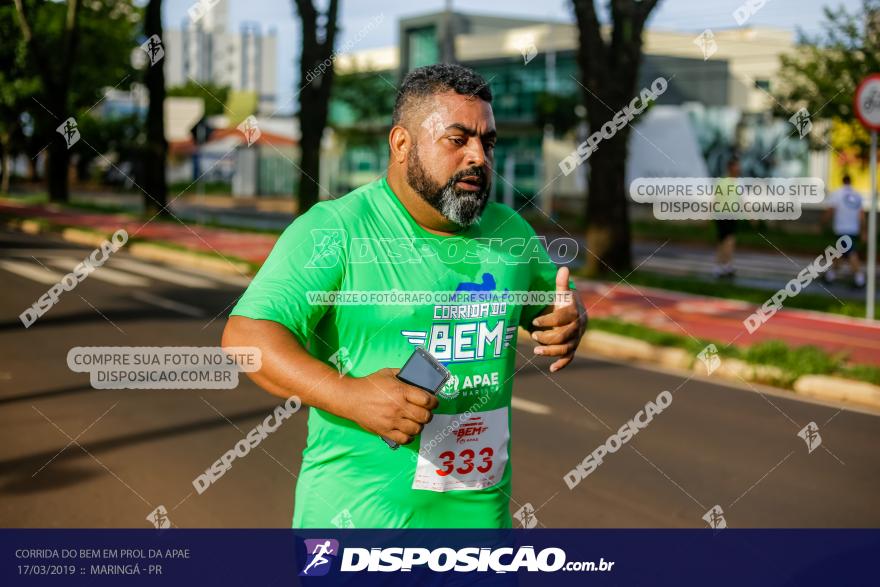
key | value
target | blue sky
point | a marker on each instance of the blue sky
(684, 15)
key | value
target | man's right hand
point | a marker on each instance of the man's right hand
(391, 408)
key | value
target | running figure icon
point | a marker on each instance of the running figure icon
(318, 558)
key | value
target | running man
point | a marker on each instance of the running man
(727, 199)
(319, 553)
(844, 208)
(427, 226)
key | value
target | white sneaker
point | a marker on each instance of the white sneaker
(859, 279)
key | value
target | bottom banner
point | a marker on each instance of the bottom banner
(439, 557)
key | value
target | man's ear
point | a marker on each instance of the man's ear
(400, 142)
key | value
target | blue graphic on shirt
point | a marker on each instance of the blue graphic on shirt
(852, 200)
(480, 292)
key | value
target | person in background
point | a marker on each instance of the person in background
(727, 197)
(844, 210)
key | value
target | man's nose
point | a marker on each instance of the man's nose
(476, 154)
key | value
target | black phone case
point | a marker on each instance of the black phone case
(421, 352)
(422, 355)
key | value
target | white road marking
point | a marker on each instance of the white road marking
(102, 273)
(168, 304)
(529, 406)
(32, 271)
(161, 273)
(233, 280)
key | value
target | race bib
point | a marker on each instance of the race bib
(463, 451)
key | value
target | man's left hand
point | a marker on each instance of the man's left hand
(563, 324)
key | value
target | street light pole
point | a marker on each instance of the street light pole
(867, 110)
(872, 232)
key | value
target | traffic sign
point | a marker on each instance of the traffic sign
(867, 105)
(867, 102)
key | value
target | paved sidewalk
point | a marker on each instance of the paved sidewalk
(702, 317)
(251, 247)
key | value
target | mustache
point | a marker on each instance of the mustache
(478, 172)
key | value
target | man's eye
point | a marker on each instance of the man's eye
(458, 140)
(489, 146)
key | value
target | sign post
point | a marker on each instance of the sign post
(867, 106)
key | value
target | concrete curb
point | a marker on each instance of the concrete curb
(822, 387)
(145, 250)
(606, 344)
(845, 390)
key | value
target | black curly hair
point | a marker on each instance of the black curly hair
(426, 81)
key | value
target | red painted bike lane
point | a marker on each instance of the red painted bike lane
(721, 320)
(716, 319)
(253, 247)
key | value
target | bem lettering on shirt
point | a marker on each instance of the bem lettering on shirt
(457, 473)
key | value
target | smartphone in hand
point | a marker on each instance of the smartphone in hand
(423, 371)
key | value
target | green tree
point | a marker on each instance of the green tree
(54, 68)
(215, 97)
(17, 85)
(355, 118)
(75, 50)
(825, 69)
(609, 65)
(119, 137)
(557, 110)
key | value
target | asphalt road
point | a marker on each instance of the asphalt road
(72, 456)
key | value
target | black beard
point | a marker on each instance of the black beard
(462, 207)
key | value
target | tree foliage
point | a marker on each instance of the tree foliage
(824, 71)
(215, 96)
(354, 117)
(73, 51)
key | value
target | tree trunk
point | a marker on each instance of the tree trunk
(608, 233)
(155, 152)
(316, 78)
(5, 163)
(313, 119)
(33, 164)
(57, 168)
(609, 65)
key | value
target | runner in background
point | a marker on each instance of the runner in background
(844, 210)
(725, 229)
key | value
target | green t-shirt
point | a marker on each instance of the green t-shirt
(367, 241)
